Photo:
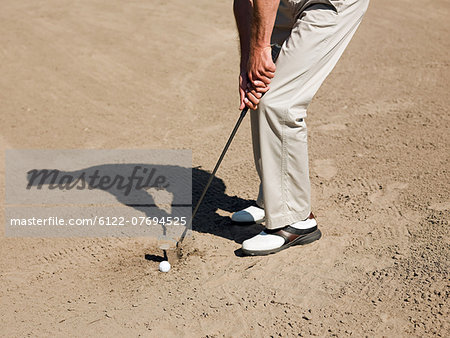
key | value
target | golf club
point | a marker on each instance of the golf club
(211, 177)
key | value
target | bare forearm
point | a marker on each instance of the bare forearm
(243, 13)
(255, 20)
(264, 13)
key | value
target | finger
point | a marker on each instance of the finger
(266, 79)
(258, 83)
(251, 89)
(262, 90)
(258, 91)
(241, 99)
(263, 79)
(249, 104)
(260, 79)
(250, 77)
(264, 72)
(268, 72)
(256, 94)
(252, 98)
(271, 67)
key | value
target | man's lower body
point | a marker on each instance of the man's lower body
(313, 35)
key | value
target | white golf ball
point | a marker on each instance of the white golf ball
(164, 266)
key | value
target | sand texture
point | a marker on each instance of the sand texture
(133, 74)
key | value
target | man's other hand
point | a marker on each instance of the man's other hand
(261, 68)
(249, 96)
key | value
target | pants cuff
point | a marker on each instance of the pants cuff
(286, 219)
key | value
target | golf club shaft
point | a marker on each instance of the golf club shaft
(211, 177)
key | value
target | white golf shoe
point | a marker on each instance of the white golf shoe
(249, 215)
(271, 241)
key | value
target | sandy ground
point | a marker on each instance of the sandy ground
(112, 74)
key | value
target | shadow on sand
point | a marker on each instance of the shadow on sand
(207, 220)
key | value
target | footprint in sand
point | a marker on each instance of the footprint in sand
(388, 195)
(325, 169)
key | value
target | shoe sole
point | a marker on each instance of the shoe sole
(301, 240)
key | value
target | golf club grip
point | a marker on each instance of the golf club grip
(213, 173)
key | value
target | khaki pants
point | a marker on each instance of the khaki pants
(313, 35)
